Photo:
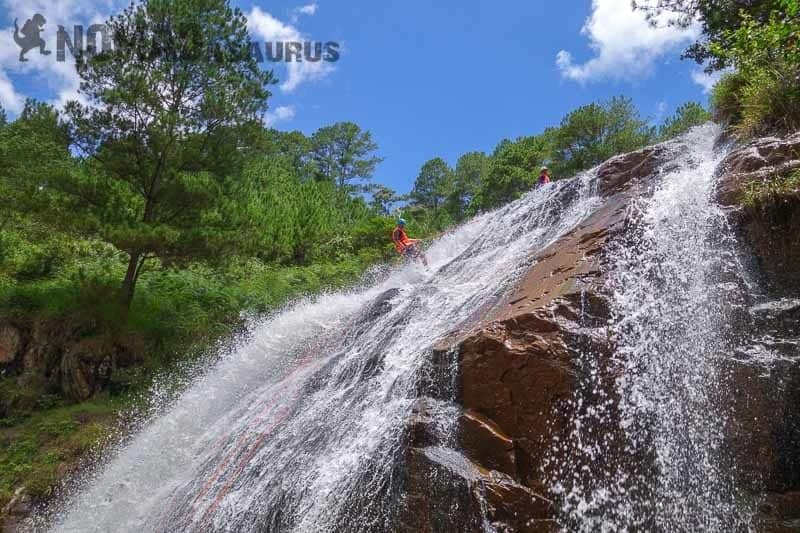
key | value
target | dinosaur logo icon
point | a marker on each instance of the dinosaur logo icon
(31, 36)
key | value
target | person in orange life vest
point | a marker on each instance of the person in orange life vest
(544, 177)
(406, 247)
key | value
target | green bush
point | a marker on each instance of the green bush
(763, 95)
(726, 98)
(758, 192)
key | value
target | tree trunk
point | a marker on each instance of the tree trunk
(129, 283)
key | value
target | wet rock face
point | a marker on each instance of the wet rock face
(521, 366)
(519, 370)
(758, 160)
(770, 227)
(618, 173)
(16, 511)
(10, 344)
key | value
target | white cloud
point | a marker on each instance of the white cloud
(44, 71)
(281, 114)
(61, 79)
(10, 99)
(267, 28)
(625, 45)
(705, 80)
(308, 9)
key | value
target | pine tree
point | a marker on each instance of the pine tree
(343, 154)
(433, 185)
(172, 105)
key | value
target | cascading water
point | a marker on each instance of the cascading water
(300, 429)
(306, 426)
(672, 279)
(673, 296)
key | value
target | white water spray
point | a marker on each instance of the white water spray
(670, 291)
(300, 428)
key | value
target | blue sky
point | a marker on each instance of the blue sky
(426, 78)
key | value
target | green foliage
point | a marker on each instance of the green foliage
(3, 116)
(34, 453)
(764, 94)
(343, 154)
(726, 98)
(512, 170)
(586, 137)
(758, 192)
(593, 133)
(471, 172)
(716, 19)
(760, 41)
(382, 199)
(163, 133)
(686, 116)
(433, 185)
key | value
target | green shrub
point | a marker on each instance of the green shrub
(758, 192)
(769, 103)
(763, 95)
(726, 98)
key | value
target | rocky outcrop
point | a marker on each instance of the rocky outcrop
(10, 344)
(67, 361)
(488, 496)
(521, 365)
(765, 429)
(16, 511)
(769, 224)
(757, 161)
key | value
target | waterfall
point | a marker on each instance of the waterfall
(301, 427)
(305, 426)
(673, 279)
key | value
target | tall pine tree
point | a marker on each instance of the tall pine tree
(171, 107)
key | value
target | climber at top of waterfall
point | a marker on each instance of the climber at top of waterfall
(544, 177)
(406, 247)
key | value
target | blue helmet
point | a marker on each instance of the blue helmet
(401, 222)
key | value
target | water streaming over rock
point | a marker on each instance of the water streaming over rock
(303, 427)
(307, 426)
(675, 282)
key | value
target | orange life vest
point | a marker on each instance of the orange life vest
(401, 240)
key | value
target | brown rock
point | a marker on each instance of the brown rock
(763, 431)
(513, 507)
(432, 472)
(38, 348)
(482, 495)
(521, 366)
(618, 173)
(770, 227)
(760, 159)
(86, 367)
(486, 444)
(779, 513)
(519, 371)
(16, 511)
(10, 343)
